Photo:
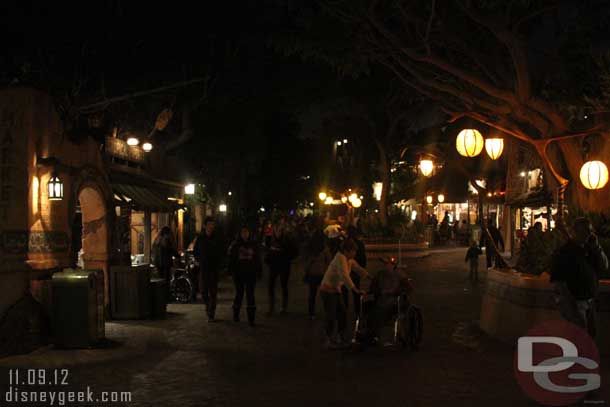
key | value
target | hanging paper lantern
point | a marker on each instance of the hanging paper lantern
(469, 143)
(441, 198)
(494, 147)
(429, 199)
(594, 175)
(426, 167)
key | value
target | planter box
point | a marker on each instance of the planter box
(158, 294)
(130, 292)
(515, 302)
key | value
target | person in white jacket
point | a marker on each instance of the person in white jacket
(336, 276)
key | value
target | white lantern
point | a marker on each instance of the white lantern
(322, 196)
(494, 147)
(147, 147)
(189, 189)
(441, 198)
(357, 203)
(426, 167)
(133, 141)
(429, 199)
(469, 143)
(594, 175)
(56, 188)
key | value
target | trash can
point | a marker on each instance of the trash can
(158, 307)
(130, 292)
(78, 308)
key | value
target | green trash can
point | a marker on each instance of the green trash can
(158, 308)
(78, 308)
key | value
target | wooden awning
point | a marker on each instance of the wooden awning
(144, 198)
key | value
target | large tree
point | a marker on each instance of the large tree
(526, 68)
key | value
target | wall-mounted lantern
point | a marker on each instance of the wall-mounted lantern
(56, 188)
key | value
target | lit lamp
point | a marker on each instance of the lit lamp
(344, 199)
(429, 199)
(594, 175)
(441, 198)
(357, 203)
(469, 143)
(56, 188)
(222, 208)
(352, 198)
(147, 147)
(494, 147)
(322, 196)
(132, 141)
(189, 189)
(426, 167)
(329, 200)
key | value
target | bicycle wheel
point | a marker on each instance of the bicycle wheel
(182, 290)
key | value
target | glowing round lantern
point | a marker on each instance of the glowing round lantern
(441, 198)
(344, 199)
(469, 143)
(429, 199)
(329, 200)
(322, 196)
(426, 167)
(357, 203)
(494, 147)
(594, 175)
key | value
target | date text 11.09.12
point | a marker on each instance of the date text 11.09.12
(38, 377)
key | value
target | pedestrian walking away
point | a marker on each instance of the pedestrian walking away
(279, 257)
(472, 258)
(576, 271)
(164, 249)
(245, 267)
(318, 258)
(209, 251)
(337, 274)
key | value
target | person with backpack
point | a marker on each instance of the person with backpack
(245, 267)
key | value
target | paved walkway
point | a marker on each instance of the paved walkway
(184, 361)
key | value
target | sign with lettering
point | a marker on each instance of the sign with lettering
(120, 149)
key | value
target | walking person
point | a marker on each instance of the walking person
(357, 267)
(279, 257)
(496, 239)
(209, 251)
(337, 274)
(164, 249)
(245, 267)
(576, 271)
(472, 258)
(318, 258)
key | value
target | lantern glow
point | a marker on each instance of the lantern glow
(494, 147)
(357, 203)
(441, 198)
(469, 143)
(132, 141)
(56, 188)
(147, 146)
(429, 199)
(322, 196)
(189, 189)
(426, 167)
(594, 175)
(329, 200)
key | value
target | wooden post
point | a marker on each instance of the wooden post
(147, 236)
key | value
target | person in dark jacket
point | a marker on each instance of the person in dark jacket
(496, 237)
(164, 248)
(318, 258)
(472, 257)
(245, 266)
(576, 271)
(209, 251)
(279, 257)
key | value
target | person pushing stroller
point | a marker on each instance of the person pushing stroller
(386, 288)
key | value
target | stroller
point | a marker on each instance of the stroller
(408, 323)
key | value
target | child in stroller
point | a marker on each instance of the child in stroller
(387, 300)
